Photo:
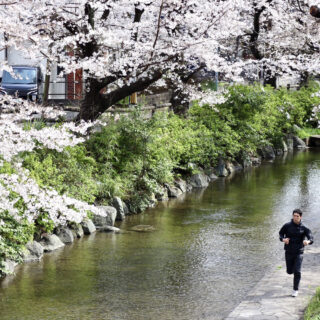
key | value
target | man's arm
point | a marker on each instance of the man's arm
(309, 236)
(282, 233)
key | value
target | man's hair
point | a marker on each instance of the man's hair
(298, 211)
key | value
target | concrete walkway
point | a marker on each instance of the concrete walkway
(271, 298)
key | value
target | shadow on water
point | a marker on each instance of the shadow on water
(209, 248)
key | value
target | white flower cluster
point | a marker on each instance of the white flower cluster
(19, 110)
(60, 209)
(315, 116)
(212, 98)
(13, 140)
(316, 94)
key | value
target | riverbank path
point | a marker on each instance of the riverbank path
(271, 298)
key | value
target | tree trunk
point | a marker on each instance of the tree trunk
(304, 79)
(180, 98)
(253, 44)
(180, 101)
(95, 102)
(90, 106)
(270, 79)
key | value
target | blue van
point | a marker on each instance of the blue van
(24, 82)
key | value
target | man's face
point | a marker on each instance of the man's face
(296, 218)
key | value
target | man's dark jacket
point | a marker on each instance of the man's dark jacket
(296, 233)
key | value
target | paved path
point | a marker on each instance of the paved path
(271, 298)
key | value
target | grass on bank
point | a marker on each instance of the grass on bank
(313, 310)
(308, 132)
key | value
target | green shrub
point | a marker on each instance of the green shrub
(13, 237)
(306, 99)
(133, 156)
(307, 132)
(69, 172)
(36, 124)
(130, 154)
(15, 232)
(313, 310)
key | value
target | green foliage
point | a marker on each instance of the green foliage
(209, 85)
(43, 224)
(133, 156)
(253, 116)
(187, 141)
(305, 99)
(130, 156)
(245, 101)
(307, 132)
(219, 139)
(313, 310)
(6, 168)
(70, 172)
(19, 203)
(13, 237)
(36, 124)
(124, 102)
(90, 214)
(15, 232)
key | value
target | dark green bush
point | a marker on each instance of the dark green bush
(71, 172)
(13, 237)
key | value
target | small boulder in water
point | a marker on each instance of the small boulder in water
(143, 228)
(110, 229)
(51, 242)
(88, 226)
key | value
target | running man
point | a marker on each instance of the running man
(295, 237)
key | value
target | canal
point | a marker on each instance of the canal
(209, 248)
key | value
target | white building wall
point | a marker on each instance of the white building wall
(57, 88)
(16, 57)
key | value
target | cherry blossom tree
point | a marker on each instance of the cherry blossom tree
(124, 46)
(283, 38)
(14, 139)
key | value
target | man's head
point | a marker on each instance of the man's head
(296, 216)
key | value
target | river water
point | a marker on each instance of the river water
(210, 247)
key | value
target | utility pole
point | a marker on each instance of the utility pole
(46, 83)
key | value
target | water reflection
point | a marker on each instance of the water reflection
(209, 248)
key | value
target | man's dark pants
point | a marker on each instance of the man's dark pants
(294, 262)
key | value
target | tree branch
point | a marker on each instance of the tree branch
(137, 18)
(7, 3)
(315, 11)
(255, 34)
(299, 5)
(158, 26)
(96, 103)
